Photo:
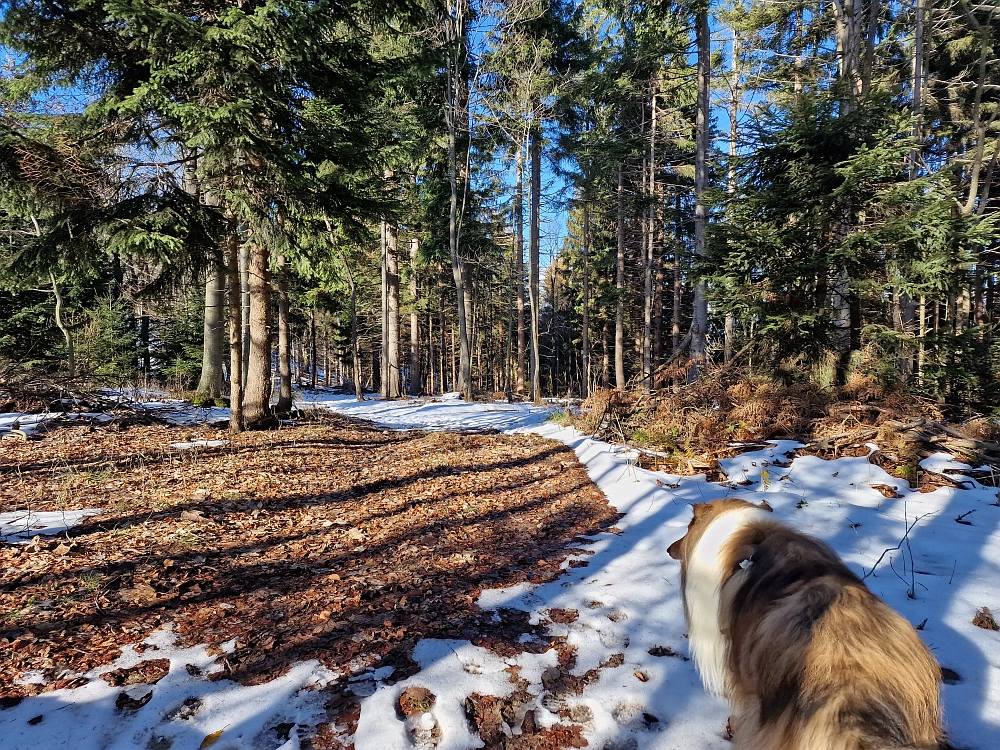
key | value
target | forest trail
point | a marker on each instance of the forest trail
(578, 636)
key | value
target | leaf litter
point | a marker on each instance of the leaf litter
(334, 540)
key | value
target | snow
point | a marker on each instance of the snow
(30, 424)
(19, 527)
(183, 711)
(628, 599)
(199, 444)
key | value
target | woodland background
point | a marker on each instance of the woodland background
(229, 197)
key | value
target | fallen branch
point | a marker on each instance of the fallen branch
(887, 550)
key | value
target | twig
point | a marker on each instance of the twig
(961, 518)
(887, 550)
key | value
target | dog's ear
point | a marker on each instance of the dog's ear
(674, 550)
(699, 508)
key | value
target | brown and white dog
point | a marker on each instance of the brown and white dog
(806, 655)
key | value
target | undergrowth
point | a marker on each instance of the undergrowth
(695, 423)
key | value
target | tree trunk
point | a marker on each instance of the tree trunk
(213, 332)
(391, 380)
(522, 362)
(210, 383)
(585, 376)
(236, 423)
(699, 321)
(648, 255)
(313, 352)
(917, 81)
(64, 329)
(534, 259)
(416, 384)
(620, 288)
(284, 341)
(257, 398)
(734, 113)
(245, 304)
(456, 119)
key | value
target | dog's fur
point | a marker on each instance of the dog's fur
(806, 655)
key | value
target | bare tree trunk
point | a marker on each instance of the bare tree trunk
(284, 341)
(620, 288)
(522, 362)
(314, 353)
(326, 355)
(917, 83)
(144, 352)
(64, 329)
(534, 259)
(213, 333)
(699, 321)
(605, 357)
(456, 115)
(257, 399)
(416, 384)
(236, 423)
(734, 113)
(648, 254)
(391, 380)
(431, 388)
(210, 382)
(585, 376)
(245, 303)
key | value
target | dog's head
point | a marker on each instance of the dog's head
(704, 514)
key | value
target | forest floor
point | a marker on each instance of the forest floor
(500, 580)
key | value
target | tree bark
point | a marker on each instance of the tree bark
(257, 398)
(416, 384)
(313, 350)
(245, 303)
(585, 376)
(213, 332)
(620, 382)
(456, 120)
(391, 375)
(284, 341)
(234, 287)
(699, 321)
(648, 254)
(210, 382)
(522, 361)
(534, 259)
(64, 329)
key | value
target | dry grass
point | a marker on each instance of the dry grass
(702, 420)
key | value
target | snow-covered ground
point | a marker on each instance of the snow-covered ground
(628, 600)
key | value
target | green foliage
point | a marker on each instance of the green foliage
(106, 342)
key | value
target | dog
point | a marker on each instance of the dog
(807, 657)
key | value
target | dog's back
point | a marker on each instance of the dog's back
(813, 660)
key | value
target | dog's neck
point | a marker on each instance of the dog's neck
(707, 571)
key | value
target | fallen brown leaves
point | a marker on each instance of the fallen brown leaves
(334, 540)
(984, 619)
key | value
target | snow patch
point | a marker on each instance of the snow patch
(20, 527)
